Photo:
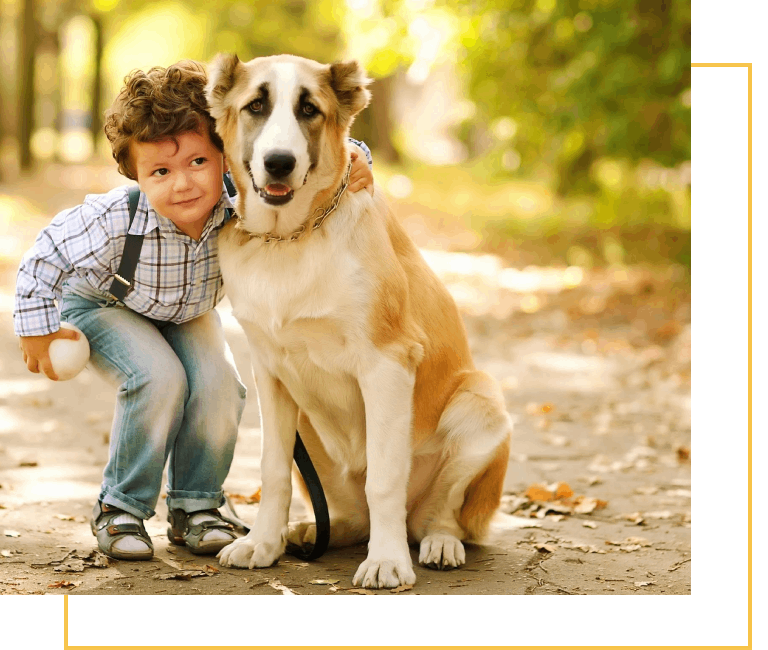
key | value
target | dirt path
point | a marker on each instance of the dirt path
(596, 372)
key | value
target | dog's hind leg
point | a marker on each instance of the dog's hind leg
(462, 499)
(344, 493)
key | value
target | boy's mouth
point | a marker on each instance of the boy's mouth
(187, 202)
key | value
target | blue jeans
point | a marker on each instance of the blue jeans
(179, 399)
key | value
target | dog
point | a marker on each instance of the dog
(354, 341)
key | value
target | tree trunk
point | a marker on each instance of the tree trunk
(3, 85)
(374, 124)
(26, 76)
(98, 51)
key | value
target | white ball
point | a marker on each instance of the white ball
(69, 357)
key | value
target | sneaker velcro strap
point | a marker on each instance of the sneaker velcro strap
(119, 529)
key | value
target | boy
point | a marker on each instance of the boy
(179, 396)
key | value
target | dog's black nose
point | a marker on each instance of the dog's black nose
(279, 163)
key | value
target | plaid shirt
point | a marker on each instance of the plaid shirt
(177, 278)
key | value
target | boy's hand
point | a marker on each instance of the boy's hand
(34, 350)
(360, 175)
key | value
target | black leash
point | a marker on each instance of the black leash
(123, 280)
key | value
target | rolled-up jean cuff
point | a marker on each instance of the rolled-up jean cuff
(194, 501)
(114, 498)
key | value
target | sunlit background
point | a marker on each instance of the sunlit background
(537, 151)
(542, 131)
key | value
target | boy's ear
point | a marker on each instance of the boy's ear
(222, 74)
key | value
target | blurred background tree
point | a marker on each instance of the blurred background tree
(555, 130)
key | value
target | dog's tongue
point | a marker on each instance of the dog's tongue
(278, 189)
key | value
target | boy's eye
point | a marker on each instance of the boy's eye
(199, 161)
(309, 110)
(160, 172)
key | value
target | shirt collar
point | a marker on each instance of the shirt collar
(146, 219)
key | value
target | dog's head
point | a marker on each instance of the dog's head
(284, 117)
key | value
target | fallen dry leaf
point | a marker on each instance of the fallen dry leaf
(181, 575)
(589, 524)
(563, 491)
(279, 586)
(634, 517)
(65, 584)
(11, 533)
(586, 505)
(586, 548)
(401, 589)
(545, 548)
(683, 454)
(71, 566)
(538, 492)
(644, 584)
(322, 581)
(365, 592)
(239, 498)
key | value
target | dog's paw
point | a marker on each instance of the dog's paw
(384, 574)
(302, 533)
(248, 553)
(441, 551)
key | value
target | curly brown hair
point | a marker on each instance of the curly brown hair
(158, 105)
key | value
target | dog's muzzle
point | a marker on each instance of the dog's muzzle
(279, 165)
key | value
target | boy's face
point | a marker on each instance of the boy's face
(181, 184)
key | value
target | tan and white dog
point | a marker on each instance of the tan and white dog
(354, 341)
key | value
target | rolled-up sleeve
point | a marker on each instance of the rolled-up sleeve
(75, 239)
(365, 149)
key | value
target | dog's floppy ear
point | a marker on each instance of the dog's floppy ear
(222, 74)
(349, 82)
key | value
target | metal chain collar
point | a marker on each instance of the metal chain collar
(316, 222)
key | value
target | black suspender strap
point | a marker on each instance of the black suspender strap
(230, 185)
(123, 279)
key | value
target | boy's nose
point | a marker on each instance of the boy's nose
(182, 181)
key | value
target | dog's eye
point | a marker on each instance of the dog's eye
(309, 110)
(256, 106)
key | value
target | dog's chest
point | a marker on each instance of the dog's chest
(300, 308)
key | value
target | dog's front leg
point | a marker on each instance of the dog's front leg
(266, 542)
(387, 389)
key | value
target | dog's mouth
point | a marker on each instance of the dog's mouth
(274, 193)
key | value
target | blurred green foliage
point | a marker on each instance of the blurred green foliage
(582, 79)
(578, 128)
